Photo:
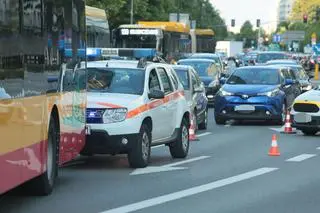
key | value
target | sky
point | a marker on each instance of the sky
(242, 10)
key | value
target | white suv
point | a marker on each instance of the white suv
(133, 105)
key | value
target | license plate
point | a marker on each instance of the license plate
(302, 118)
(244, 108)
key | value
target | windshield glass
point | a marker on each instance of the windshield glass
(139, 41)
(203, 68)
(119, 80)
(255, 76)
(184, 78)
(265, 57)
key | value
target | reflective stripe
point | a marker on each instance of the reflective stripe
(109, 105)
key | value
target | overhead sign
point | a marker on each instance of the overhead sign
(276, 38)
(140, 32)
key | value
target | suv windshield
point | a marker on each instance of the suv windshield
(202, 68)
(265, 57)
(184, 78)
(116, 80)
(255, 76)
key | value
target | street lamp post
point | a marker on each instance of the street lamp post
(131, 13)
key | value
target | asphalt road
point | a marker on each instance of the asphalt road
(228, 170)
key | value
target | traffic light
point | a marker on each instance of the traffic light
(233, 22)
(258, 23)
(305, 19)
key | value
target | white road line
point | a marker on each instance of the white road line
(318, 148)
(186, 161)
(300, 158)
(189, 192)
(204, 134)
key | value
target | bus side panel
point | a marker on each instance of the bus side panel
(11, 93)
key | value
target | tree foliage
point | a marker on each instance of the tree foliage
(158, 10)
(304, 7)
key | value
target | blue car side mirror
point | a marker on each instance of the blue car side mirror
(288, 82)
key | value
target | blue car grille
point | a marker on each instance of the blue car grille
(94, 116)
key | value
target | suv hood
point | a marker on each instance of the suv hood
(112, 100)
(312, 95)
(248, 89)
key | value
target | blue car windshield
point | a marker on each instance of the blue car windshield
(184, 78)
(255, 77)
(204, 69)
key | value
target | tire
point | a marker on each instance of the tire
(180, 148)
(203, 125)
(43, 185)
(219, 120)
(282, 119)
(139, 155)
(309, 132)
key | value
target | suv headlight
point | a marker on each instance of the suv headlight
(272, 93)
(114, 115)
(225, 93)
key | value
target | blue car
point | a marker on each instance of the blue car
(256, 93)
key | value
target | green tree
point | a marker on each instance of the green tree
(247, 34)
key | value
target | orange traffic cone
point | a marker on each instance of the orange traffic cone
(287, 127)
(274, 149)
(192, 128)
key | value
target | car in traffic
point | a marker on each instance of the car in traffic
(133, 105)
(208, 72)
(264, 57)
(305, 112)
(195, 94)
(255, 93)
(212, 56)
(299, 75)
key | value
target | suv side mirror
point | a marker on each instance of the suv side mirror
(197, 89)
(156, 94)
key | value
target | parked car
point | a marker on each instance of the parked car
(255, 93)
(306, 112)
(209, 74)
(133, 105)
(195, 94)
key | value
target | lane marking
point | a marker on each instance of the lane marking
(318, 148)
(204, 134)
(300, 158)
(191, 191)
(186, 161)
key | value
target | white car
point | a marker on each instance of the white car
(133, 105)
(306, 112)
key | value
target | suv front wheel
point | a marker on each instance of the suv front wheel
(180, 148)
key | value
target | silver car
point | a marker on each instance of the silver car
(195, 94)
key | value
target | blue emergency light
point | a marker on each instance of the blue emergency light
(81, 53)
(129, 52)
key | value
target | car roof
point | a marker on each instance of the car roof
(285, 61)
(131, 64)
(286, 65)
(272, 52)
(197, 60)
(259, 67)
(182, 67)
(205, 54)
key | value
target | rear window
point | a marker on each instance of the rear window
(265, 57)
(184, 78)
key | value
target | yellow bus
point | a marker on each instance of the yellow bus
(98, 31)
(42, 93)
(171, 39)
(202, 40)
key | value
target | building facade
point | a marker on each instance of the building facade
(284, 10)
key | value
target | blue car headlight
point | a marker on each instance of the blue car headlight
(224, 93)
(271, 93)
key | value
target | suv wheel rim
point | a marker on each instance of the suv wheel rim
(145, 146)
(184, 137)
(283, 114)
